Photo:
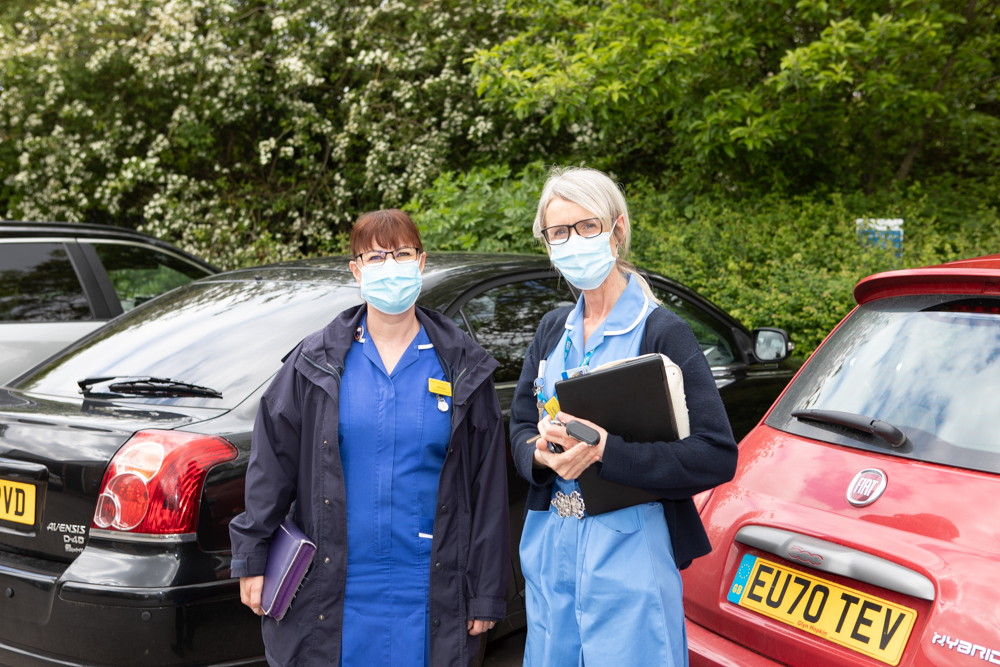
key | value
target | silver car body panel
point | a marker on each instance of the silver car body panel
(24, 344)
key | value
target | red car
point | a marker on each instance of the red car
(863, 524)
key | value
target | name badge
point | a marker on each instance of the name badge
(575, 372)
(439, 387)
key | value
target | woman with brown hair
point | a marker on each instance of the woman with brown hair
(382, 438)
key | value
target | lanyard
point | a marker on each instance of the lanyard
(586, 358)
(539, 384)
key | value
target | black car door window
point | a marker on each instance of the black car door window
(504, 319)
(713, 337)
(38, 284)
(139, 273)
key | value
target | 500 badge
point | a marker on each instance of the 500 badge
(861, 622)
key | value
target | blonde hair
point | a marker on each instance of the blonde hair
(595, 191)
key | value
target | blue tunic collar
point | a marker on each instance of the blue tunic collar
(410, 355)
(628, 312)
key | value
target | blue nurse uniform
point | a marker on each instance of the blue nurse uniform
(394, 434)
(602, 590)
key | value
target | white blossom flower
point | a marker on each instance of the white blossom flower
(168, 116)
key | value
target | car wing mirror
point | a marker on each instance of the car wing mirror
(771, 345)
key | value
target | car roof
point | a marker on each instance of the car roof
(442, 272)
(20, 229)
(323, 269)
(978, 275)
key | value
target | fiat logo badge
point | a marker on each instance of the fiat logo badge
(866, 487)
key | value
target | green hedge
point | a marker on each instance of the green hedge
(771, 261)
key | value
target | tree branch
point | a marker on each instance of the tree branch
(319, 178)
(917, 146)
(985, 82)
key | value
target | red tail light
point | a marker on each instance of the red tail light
(153, 484)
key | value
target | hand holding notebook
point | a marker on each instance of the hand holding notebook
(288, 560)
(640, 399)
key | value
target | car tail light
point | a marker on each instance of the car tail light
(974, 308)
(153, 484)
(977, 306)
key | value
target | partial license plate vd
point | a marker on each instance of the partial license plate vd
(17, 502)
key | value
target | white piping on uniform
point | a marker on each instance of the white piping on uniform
(429, 346)
(426, 535)
(642, 313)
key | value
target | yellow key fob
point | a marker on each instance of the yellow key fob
(552, 407)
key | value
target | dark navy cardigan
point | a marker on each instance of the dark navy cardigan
(675, 471)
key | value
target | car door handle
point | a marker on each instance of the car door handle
(836, 559)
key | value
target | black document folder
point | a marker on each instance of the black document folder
(632, 400)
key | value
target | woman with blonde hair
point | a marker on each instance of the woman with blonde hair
(606, 589)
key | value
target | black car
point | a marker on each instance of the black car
(125, 455)
(60, 281)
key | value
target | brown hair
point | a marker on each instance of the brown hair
(389, 228)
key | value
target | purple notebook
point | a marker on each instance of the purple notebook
(288, 559)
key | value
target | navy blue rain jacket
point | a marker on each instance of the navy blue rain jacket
(295, 470)
(675, 471)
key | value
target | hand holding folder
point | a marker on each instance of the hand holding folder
(640, 399)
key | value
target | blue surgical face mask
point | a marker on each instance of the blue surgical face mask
(585, 263)
(390, 287)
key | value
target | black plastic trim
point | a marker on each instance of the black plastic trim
(107, 290)
(118, 596)
(22, 229)
(91, 287)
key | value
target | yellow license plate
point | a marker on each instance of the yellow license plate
(17, 502)
(861, 622)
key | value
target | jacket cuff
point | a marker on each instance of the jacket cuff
(487, 609)
(616, 464)
(251, 565)
(539, 476)
(542, 476)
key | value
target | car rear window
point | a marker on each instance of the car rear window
(228, 336)
(928, 365)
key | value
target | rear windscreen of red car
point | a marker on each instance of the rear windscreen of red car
(227, 336)
(928, 365)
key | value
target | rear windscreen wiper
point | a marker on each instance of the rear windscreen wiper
(884, 430)
(147, 386)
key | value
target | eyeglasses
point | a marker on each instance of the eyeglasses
(377, 257)
(559, 234)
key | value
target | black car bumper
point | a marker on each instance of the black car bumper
(46, 618)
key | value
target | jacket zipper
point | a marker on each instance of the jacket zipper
(330, 370)
(454, 389)
(454, 394)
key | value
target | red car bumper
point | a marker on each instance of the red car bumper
(707, 649)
